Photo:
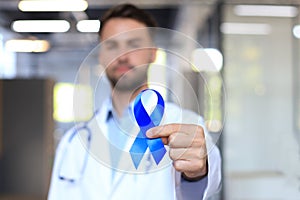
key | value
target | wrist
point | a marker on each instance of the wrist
(195, 177)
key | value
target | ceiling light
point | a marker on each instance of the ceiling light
(27, 45)
(296, 31)
(245, 28)
(52, 5)
(265, 11)
(50, 26)
(91, 26)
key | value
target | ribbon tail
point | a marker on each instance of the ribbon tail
(138, 150)
(157, 149)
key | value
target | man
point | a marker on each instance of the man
(126, 52)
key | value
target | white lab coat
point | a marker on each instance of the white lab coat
(96, 183)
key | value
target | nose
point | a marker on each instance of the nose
(123, 57)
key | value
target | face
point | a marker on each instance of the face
(126, 53)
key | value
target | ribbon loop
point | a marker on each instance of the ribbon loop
(145, 122)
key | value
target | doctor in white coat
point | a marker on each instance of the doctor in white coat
(93, 161)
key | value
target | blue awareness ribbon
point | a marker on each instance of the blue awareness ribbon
(145, 122)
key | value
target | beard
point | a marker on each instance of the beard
(133, 79)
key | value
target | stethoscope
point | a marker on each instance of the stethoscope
(85, 127)
(65, 151)
(76, 130)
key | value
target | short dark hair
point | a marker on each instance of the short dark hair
(127, 11)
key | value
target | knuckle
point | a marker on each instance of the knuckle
(172, 154)
(197, 137)
(200, 164)
(200, 129)
(176, 154)
(172, 138)
(198, 142)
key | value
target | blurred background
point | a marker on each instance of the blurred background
(256, 106)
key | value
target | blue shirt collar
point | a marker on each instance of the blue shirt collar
(111, 111)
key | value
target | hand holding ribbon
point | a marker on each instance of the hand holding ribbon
(187, 147)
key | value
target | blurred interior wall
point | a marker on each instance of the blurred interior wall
(261, 146)
(26, 148)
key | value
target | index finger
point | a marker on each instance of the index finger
(169, 129)
(163, 130)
